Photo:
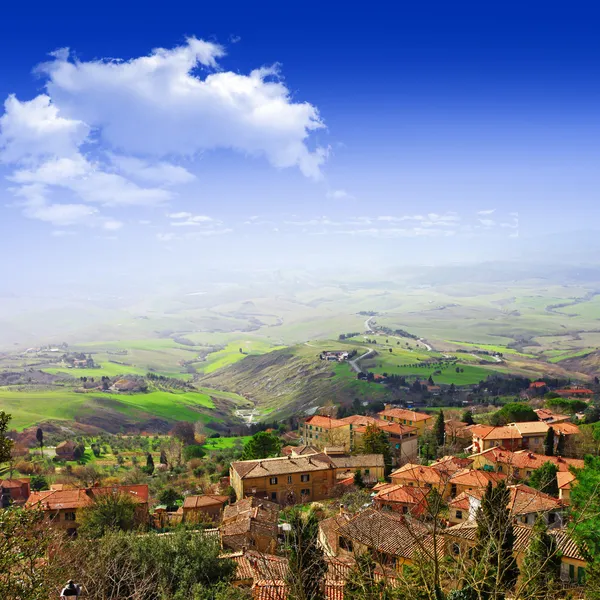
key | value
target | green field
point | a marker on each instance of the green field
(231, 354)
(30, 407)
(224, 443)
(106, 369)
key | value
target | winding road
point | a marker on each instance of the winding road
(354, 362)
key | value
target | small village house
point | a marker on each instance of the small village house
(406, 417)
(201, 508)
(14, 491)
(66, 450)
(250, 523)
(320, 431)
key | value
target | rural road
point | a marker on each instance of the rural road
(354, 363)
(368, 325)
(429, 348)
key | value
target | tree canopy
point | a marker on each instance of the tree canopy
(261, 445)
(514, 412)
(544, 479)
(6, 444)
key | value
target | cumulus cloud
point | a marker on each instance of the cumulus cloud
(487, 222)
(486, 212)
(339, 195)
(160, 105)
(109, 132)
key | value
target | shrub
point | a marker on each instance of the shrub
(190, 452)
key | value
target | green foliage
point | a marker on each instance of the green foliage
(585, 507)
(358, 479)
(24, 542)
(5, 443)
(170, 497)
(541, 565)
(149, 464)
(361, 583)
(109, 512)
(38, 483)
(261, 445)
(544, 479)
(567, 405)
(195, 451)
(513, 412)
(376, 441)
(307, 566)
(549, 442)
(440, 429)
(467, 417)
(493, 552)
(181, 566)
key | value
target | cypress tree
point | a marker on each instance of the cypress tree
(440, 429)
(307, 566)
(549, 442)
(541, 565)
(560, 446)
(495, 540)
(150, 464)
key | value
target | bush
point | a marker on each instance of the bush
(190, 452)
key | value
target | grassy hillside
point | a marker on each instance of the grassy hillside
(292, 380)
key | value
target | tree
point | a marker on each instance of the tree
(513, 412)
(549, 442)
(361, 583)
(541, 565)
(261, 445)
(25, 539)
(560, 446)
(149, 464)
(184, 432)
(169, 497)
(307, 566)
(108, 512)
(497, 569)
(6, 444)
(585, 507)
(358, 479)
(38, 483)
(467, 417)
(440, 429)
(39, 436)
(376, 441)
(544, 479)
(430, 380)
(163, 457)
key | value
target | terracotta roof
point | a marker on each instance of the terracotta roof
(73, 499)
(325, 422)
(566, 545)
(206, 500)
(401, 413)
(574, 391)
(525, 500)
(355, 461)
(537, 384)
(531, 427)
(403, 494)
(12, 483)
(360, 420)
(565, 428)
(419, 474)
(452, 464)
(487, 432)
(270, 590)
(461, 502)
(476, 478)
(283, 465)
(564, 480)
(523, 459)
(67, 444)
(299, 450)
(250, 515)
(328, 528)
(547, 415)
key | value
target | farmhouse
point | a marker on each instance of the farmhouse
(198, 508)
(322, 431)
(13, 491)
(66, 450)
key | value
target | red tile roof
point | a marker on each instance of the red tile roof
(325, 422)
(402, 413)
(206, 500)
(523, 459)
(476, 478)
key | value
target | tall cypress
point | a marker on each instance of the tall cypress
(549, 442)
(495, 541)
(440, 429)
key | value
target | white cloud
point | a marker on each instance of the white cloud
(486, 212)
(180, 215)
(339, 195)
(190, 220)
(155, 173)
(487, 222)
(112, 225)
(62, 233)
(159, 105)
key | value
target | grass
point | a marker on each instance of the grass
(470, 374)
(231, 354)
(107, 369)
(224, 443)
(31, 407)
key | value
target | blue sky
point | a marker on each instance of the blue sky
(257, 134)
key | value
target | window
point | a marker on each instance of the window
(273, 481)
(305, 492)
(552, 518)
(274, 496)
(69, 516)
(367, 471)
(453, 490)
(499, 468)
(455, 549)
(304, 478)
(289, 479)
(580, 575)
(571, 572)
(404, 510)
(345, 544)
(459, 514)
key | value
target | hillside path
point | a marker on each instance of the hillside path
(354, 363)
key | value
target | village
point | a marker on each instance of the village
(374, 492)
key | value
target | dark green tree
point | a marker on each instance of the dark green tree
(514, 412)
(440, 429)
(541, 565)
(549, 442)
(544, 479)
(585, 508)
(358, 479)
(108, 512)
(261, 445)
(169, 498)
(467, 417)
(38, 483)
(376, 441)
(6, 444)
(560, 445)
(149, 464)
(307, 566)
(39, 436)
(496, 566)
